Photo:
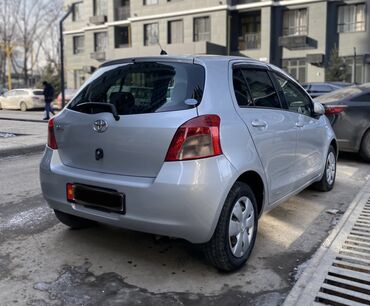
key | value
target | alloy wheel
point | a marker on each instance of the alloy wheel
(241, 226)
(330, 168)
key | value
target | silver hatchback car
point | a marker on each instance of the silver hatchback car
(189, 147)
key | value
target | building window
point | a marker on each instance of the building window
(349, 76)
(100, 41)
(151, 34)
(76, 13)
(100, 8)
(78, 44)
(295, 22)
(121, 9)
(149, 2)
(296, 68)
(351, 18)
(175, 32)
(250, 31)
(121, 37)
(202, 29)
(79, 78)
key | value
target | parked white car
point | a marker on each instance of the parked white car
(23, 99)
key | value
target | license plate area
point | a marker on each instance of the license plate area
(99, 198)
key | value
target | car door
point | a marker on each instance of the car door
(273, 132)
(356, 120)
(311, 142)
(9, 100)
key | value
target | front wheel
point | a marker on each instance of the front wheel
(328, 178)
(236, 231)
(23, 107)
(365, 147)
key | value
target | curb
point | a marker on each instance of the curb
(308, 275)
(22, 150)
(21, 119)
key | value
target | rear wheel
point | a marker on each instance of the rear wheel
(73, 222)
(23, 106)
(365, 147)
(328, 178)
(235, 234)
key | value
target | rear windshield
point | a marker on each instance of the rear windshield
(145, 87)
(38, 92)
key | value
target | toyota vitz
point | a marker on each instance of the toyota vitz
(190, 147)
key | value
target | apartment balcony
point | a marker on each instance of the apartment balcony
(99, 19)
(294, 42)
(121, 13)
(249, 41)
(98, 55)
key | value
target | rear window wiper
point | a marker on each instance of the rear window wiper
(96, 107)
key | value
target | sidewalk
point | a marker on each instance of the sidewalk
(21, 132)
(339, 272)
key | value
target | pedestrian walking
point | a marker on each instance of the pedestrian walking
(49, 97)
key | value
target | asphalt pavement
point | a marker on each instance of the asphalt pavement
(22, 132)
(44, 263)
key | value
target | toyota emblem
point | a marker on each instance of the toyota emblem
(100, 126)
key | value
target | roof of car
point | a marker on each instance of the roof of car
(182, 58)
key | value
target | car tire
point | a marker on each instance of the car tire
(237, 224)
(23, 106)
(73, 222)
(365, 147)
(328, 178)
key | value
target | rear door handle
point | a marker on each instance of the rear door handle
(259, 123)
(299, 124)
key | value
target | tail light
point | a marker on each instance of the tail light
(70, 192)
(334, 109)
(197, 138)
(52, 142)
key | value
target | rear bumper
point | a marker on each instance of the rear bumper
(184, 200)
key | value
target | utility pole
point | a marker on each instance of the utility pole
(70, 9)
(8, 50)
(354, 65)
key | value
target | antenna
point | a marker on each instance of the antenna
(163, 52)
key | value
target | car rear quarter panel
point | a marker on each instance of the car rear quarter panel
(236, 142)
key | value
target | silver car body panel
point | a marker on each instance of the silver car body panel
(184, 199)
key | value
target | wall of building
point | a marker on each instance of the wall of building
(316, 15)
(224, 17)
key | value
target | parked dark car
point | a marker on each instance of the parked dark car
(320, 88)
(348, 110)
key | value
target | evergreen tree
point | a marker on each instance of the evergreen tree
(51, 75)
(337, 69)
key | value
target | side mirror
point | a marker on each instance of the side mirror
(318, 108)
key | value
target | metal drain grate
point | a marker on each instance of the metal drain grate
(347, 281)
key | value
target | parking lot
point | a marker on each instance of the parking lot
(44, 263)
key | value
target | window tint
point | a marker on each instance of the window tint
(38, 92)
(241, 89)
(295, 98)
(362, 98)
(145, 87)
(261, 88)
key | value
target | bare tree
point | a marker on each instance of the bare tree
(29, 28)
(36, 19)
(8, 17)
